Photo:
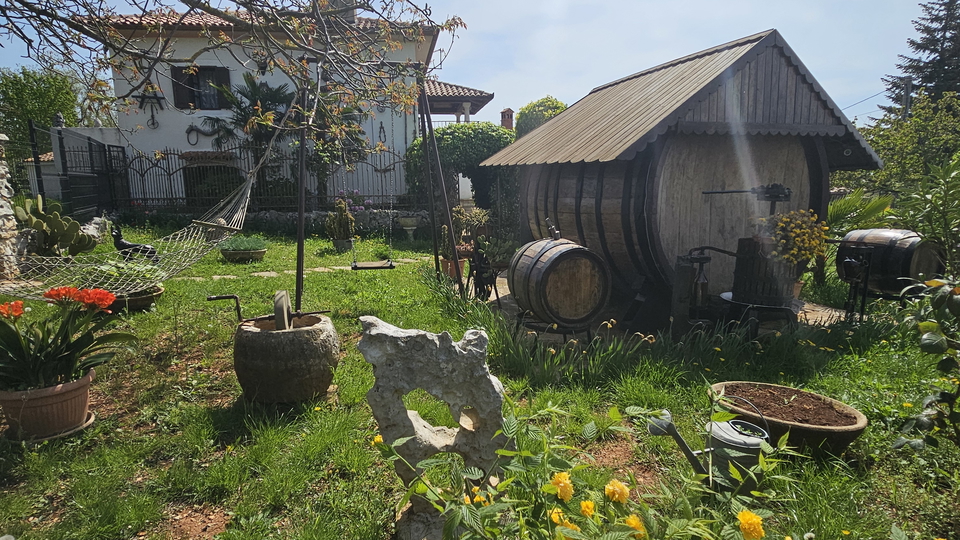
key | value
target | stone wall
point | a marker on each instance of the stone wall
(8, 224)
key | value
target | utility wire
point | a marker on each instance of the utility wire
(862, 100)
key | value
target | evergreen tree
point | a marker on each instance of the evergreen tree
(936, 64)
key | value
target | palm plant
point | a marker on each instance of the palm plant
(256, 113)
(855, 210)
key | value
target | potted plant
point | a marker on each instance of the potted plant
(769, 264)
(243, 249)
(46, 365)
(340, 227)
(450, 255)
(143, 277)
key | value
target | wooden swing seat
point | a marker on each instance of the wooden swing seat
(373, 265)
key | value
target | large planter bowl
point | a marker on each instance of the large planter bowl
(246, 255)
(832, 439)
(285, 366)
(140, 301)
(47, 413)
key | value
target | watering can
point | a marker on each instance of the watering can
(735, 442)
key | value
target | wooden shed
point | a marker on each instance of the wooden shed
(622, 171)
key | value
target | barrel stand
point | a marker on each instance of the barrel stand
(752, 315)
(528, 321)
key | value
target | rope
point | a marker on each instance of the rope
(125, 273)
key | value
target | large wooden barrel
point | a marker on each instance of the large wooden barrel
(897, 258)
(559, 281)
(639, 215)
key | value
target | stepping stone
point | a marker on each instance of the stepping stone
(342, 268)
(224, 277)
(265, 274)
(321, 269)
(408, 260)
(187, 278)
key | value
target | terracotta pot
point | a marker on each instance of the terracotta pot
(833, 439)
(140, 301)
(45, 413)
(446, 266)
(243, 255)
(285, 366)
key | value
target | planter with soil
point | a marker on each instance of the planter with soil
(813, 421)
(139, 301)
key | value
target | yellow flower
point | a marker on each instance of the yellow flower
(908, 404)
(570, 525)
(586, 508)
(787, 538)
(751, 525)
(634, 522)
(466, 499)
(616, 491)
(556, 515)
(845, 532)
(378, 439)
(564, 486)
(479, 498)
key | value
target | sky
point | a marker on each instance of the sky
(523, 50)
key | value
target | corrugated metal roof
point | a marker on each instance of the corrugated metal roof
(619, 119)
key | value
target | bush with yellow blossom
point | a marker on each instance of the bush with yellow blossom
(542, 490)
(798, 235)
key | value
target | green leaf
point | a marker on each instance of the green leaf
(948, 364)
(928, 326)
(615, 415)
(734, 472)
(722, 416)
(590, 431)
(473, 473)
(897, 534)
(470, 516)
(932, 343)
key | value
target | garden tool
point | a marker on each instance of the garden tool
(733, 443)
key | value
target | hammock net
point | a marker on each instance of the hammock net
(125, 273)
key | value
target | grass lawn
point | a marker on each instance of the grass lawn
(175, 453)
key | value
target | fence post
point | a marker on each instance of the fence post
(65, 195)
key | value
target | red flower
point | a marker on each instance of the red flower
(97, 297)
(62, 294)
(11, 310)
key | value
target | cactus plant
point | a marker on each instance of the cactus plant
(57, 234)
(339, 223)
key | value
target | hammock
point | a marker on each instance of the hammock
(125, 274)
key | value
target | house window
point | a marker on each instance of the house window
(196, 87)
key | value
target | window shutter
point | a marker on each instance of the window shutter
(222, 77)
(183, 88)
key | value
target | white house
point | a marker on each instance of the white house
(168, 118)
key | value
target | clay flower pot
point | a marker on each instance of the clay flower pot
(48, 413)
(811, 432)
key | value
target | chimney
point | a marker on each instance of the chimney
(506, 118)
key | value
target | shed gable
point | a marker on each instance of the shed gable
(768, 94)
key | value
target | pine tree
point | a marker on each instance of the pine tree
(936, 64)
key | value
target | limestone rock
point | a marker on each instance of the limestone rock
(454, 372)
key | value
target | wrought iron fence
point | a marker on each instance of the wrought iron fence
(193, 181)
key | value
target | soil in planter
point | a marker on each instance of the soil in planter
(789, 404)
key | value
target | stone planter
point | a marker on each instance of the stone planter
(140, 301)
(48, 413)
(813, 431)
(285, 366)
(343, 246)
(238, 256)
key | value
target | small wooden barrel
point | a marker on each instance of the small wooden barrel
(760, 279)
(898, 258)
(559, 281)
